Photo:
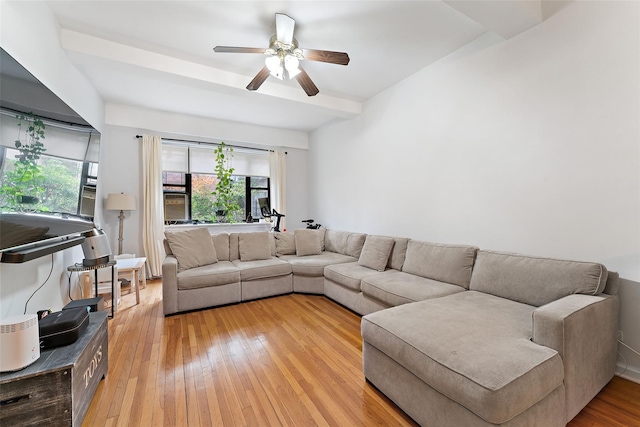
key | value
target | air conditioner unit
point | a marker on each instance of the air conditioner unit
(88, 200)
(175, 207)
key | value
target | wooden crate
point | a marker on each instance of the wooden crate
(57, 389)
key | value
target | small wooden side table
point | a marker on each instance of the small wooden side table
(136, 266)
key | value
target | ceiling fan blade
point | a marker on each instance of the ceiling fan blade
(339, 58)
(232, 49)
(258, 79)
(307, 84)
(284, 28)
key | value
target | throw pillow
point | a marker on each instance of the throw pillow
(285, 244)
(308, 242)
(254, 246)
(375, 252)
(192, 248)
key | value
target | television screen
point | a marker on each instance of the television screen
(24, 230)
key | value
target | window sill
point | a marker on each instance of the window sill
(240, 227)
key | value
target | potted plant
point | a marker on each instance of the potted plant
(23, 185)
(225, 203)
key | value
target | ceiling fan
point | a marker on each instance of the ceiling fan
(284, 55)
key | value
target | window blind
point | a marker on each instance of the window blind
(59, 142)
(199, 159)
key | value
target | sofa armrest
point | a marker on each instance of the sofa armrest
(170, 285)
(583, 330)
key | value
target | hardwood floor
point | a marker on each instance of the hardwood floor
(290, 360)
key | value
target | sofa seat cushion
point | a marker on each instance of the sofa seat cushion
(472, 347)
(220, 273)
(262, 269)
(397, 287)
(313, 265)
(348, 274)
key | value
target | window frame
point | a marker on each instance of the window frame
(84, 179)
(188, 192)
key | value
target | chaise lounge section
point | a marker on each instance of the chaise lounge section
(530, 343)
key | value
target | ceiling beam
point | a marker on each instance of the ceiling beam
(506, 18)
(185, 71)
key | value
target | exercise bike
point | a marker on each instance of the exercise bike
(311, 225)
(267, 215)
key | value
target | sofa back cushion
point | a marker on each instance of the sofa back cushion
(375, 252)
(221, 243)
(192, 248)
(254, 246)
(309, 242)
(533, 280)
(234, 249)
(445, 263)
(344, 242)
(285, 243)
(272, 243)
(398, 253)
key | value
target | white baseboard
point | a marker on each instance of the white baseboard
(630, 373)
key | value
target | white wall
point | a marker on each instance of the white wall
(19, 281)
(528, 145)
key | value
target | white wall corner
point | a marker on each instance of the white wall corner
(506, 18)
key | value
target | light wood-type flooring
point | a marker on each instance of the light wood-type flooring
(290, 360)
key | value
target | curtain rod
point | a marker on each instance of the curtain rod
(60, 124)
(212, 143)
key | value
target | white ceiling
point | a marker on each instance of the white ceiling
(158, 54)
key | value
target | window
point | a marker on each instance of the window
(60, 176)
(257, 187)
(188, 184)
(193, 192)
(61, 186)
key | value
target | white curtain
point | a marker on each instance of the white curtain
(152, 212)
(278, 176)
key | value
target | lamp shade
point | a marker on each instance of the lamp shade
(121, 202)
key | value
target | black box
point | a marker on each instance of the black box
(63, 327)
(95, 304)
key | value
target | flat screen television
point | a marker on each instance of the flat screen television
(26, 236)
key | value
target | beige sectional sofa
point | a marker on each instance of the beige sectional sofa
(454, 335)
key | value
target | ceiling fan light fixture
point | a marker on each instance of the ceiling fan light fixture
(274, 64)
(291, 63)
(284, 56)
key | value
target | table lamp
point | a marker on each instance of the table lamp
(121, 202)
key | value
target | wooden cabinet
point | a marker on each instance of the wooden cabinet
(57, 389)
